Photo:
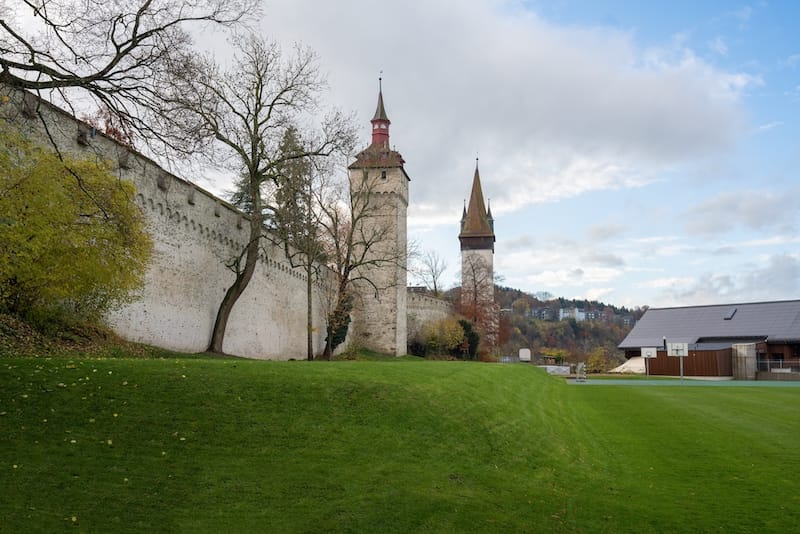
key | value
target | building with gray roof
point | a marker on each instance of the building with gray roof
(713, 332)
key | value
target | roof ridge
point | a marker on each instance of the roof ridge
(725, 304)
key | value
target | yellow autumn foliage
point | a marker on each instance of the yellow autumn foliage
(444, 336)
(71, 235)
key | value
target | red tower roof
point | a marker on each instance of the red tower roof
(380, 122)
(378, 154)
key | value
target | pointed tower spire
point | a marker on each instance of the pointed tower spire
(477, 266)
(380, 122)
(477, 231)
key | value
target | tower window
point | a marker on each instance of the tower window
(383, 175)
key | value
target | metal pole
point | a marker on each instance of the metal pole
(681, 367)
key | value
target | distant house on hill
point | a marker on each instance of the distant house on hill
(739, 340)
(571, 313)
(543, 314)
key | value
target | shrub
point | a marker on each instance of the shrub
(443, 337)
(418, 347)
(71, 237)
(472, 338)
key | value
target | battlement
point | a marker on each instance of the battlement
(418, 301)
(423, 309)
(195, 235)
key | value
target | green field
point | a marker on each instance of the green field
(206, 445)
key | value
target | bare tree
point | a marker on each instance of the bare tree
(429, 271)
(477, 297)
(476, 288)
(118, 52)
(355, 251)
(246, 111)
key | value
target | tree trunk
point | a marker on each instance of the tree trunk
(239, 284)
(339, 315)
(326, 354)
(309, 311)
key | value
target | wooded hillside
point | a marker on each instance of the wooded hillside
(590, 335)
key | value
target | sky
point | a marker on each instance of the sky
(636, 153)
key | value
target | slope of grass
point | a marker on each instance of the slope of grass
(206, 445)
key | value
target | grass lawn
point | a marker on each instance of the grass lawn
(212, 445)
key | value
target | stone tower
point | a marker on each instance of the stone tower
(379, 191)
(477, 264)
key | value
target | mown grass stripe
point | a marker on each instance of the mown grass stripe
(208, 445)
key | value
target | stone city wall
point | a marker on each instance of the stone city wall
(424, 309)
(195, 234)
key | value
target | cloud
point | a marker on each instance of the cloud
(707, 289)
(523, 181)
(423, 216)
(522, 242)
(791, 61)
(558, 263)
(603, 231)
(662, 283)
(777, 240)
(741, 16)
(603, 259)
(598, 293)
(580, 276)
(754, 209)
(768, 126)
(734, 85)
(718, 45)
(554, 112)
(726, 250)
(658, 246)
(777, 277)
(743, 13)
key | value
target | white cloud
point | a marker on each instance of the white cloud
(603, 231)
(777, 240)
(598, 293)
(554, 112)
(752, 209)
(603, 259)
(791, 61)
(426, 215)
(658, 246)
(718, 45)
(576, 277)
(524, 181)
(768, 126)
(560, 116)
(550, 279)
(743, 13)
(776, 277)
(662, 283)
(734, 84)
